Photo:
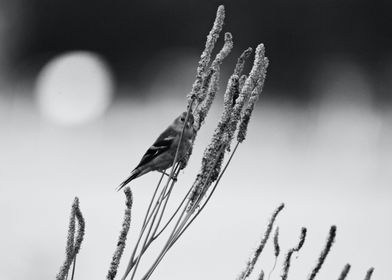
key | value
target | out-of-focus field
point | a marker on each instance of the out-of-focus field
(330, 163)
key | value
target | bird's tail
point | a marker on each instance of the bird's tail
(135, 173)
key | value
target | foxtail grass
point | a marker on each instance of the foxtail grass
(123, 236)
(287, 261)
(345, 271)
(256, 254)
(324, 253)
(369, 273)
(73, 243)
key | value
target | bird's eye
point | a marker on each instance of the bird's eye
(183, 119)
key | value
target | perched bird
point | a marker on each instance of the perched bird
(160, 155)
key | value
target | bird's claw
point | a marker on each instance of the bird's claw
(174, 178)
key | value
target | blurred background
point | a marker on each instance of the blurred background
(86, 86)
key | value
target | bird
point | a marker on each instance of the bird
(161, 154)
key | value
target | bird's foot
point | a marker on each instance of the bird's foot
(174, 178)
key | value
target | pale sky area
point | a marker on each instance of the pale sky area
(329, 162)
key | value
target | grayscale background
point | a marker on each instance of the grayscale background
(87, 86)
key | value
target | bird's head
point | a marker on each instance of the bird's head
(181, 120)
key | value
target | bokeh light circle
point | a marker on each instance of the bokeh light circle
(74, 88)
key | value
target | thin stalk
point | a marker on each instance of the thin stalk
(174, 214)
(152, 239)
(165, 248)
(212, 191)
(178, 228)
(73, 268)
(159, 203)
(146, 220)
(273, 268)
(153, 196)
(166, 199)
(191, 211)
(204, 204)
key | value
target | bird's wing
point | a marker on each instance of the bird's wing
(162, 144)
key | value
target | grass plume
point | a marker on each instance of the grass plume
(261, 275)
(287, 261)
(324, 253)
(206, 101)
(276, 251)
(123, 235)
(205, 57)
(345, 271)
(73, 244)
(256, 254)
(369, 273)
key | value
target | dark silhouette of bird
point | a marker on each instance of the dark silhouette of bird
(161, 154)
